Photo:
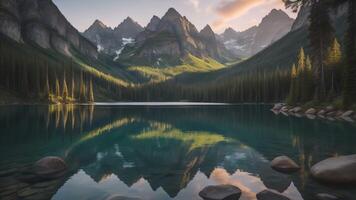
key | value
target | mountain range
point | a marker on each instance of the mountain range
(164, 38)
(170, 47)
(110, 40)
(251, 41)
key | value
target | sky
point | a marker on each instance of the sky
(220, 14)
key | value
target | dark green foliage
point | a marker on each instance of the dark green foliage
(350, 72)
(321, 34)
(254, 86)
(37, 75)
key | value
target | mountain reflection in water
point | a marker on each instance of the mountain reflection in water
(169, 152)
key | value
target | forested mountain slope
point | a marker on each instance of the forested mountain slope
(280, 55)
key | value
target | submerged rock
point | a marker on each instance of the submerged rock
(220, 192)
(118, 197)
(50, 167)
(336, 170)
(284, 164)
(324, 196)
(310, 111)
(270, 195)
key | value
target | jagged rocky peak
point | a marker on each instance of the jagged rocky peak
(230, 33)
(207, 32)
(276, 15)
(128, 28)
(154, 22)
(129, 22)
(171, 14)
(99, 24)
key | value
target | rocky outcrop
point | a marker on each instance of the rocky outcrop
(40, 22)
(336, 170)
(284, 164)
(220, 192)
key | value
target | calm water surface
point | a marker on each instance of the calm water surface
(166, 152)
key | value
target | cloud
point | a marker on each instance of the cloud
(231, 9)
(228, 10)
(195, 4)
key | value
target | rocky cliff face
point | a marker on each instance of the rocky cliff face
(272, 28)
(247, 43)
(40, 22)
(111, 41)
(175, 36)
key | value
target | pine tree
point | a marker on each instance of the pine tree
(47, 90)
(24, 81)
(333, 60)
(349, 92)
(65, 90)
(91, 92)
(82, 89)
(293, 87)
(307, 86)
(58, 90)
(321, 36)
(334, 54)
(300, 75)
(73, 88)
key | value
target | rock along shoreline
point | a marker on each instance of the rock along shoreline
(329, 112)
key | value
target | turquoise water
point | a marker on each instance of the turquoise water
(169, 151)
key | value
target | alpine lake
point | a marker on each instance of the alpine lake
(166, 151)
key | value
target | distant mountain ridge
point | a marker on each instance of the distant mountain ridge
(110, 40)
(247, 43)
(173, 37)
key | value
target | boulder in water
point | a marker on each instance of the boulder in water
(348, 113)
(284, 164)
(220, 192)
(324, 196)
(270, 195)
(118, 197)
(50, 167)
(338, 170)
(310, 111)
(284, 109)
(278, 106)
(322, 112)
